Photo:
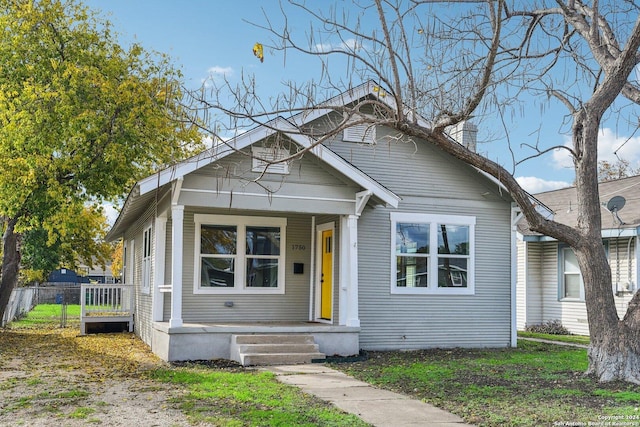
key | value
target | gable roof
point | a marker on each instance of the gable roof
(144, 191)
(563, 203)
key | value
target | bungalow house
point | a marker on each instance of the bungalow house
(371, 240)
(549, 283)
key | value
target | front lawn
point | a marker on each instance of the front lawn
(573, 339)
(535, 384)
(235, 396)
(44, 315)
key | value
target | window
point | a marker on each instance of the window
(146, 260)
(239, 254)
(571, 286)
(432, 253)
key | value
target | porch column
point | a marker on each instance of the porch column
(160, 240)
(516, 215)
(177, 231)
(348, 300)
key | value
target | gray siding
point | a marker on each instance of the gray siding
(429, 181)
(143, 301)
(543, 280)
(391, 321)
(292, 306)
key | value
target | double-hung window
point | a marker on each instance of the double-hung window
(571, 286)
(239, 254)
(432, 253)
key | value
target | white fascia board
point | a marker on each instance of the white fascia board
(356, 175)
(340, 100)
(208, 156)
(607, 233)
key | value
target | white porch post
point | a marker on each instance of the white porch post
(516, 214)
(158, 267)
(348, 300)
(177, 231)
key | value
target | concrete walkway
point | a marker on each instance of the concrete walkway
(568, 344)
(378, 407)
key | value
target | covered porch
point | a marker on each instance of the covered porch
(254, 252)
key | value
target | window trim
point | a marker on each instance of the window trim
(147, 252)
(241, 222)
(434, 220)
(561, 273)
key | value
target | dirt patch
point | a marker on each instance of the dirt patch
(55, 377)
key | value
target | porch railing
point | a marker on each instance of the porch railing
(106, 303)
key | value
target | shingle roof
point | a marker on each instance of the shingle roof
(563, 203)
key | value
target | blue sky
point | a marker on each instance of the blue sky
(208, 38)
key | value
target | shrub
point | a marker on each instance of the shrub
(552, 327)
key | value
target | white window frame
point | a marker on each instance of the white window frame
(146, 259)
(241, 222)
(562, 273)
(433, 220)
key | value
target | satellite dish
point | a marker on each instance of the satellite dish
(616, 204)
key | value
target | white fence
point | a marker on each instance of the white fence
(21, 302)
(106, 303)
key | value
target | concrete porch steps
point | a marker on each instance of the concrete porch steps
(274, 349)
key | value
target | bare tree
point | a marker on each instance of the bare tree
(610, 171)
(437, 68)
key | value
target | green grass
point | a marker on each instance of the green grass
(247, 398)
(47, 315)
(81, 413)
(535, 384)
(574, 339)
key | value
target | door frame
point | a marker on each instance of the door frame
(318, 294)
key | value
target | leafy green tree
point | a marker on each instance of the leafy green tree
(117, 253)
(39, 255)
(74, 235)
(81, 119)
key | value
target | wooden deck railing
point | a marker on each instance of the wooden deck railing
(106, 303)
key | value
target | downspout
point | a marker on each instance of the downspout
(516, 215)
(312, 268)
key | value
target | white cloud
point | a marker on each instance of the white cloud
(535, 185)
(349, 45)
(220, 71)
(217, 74)
(323, 47)
(609, 144)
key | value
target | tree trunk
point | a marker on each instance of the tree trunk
(614, 350)
(614, 353)
(10, 264)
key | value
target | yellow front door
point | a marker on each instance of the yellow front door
(326, 279)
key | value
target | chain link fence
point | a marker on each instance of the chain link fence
(57, 297)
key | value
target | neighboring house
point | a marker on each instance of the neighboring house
(549, 281)
(98, 273)
(392, 245)
(65, 275)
